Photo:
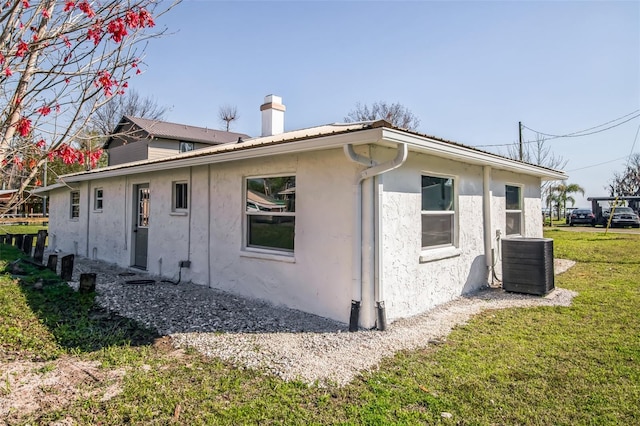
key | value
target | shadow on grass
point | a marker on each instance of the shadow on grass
(75, 321)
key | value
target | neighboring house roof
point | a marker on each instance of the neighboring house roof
(4, 192)
(265, 201)
(324, 137)
(151, 129)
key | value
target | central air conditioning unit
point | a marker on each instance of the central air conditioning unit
(527, 265)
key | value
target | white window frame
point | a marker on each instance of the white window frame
(186, 147)
(268, 216)
(518, 211)
(180, 205)
(74, 205)
(453, 213)
(98, 199)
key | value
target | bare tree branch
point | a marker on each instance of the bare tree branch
(395, 113)
(228, 114)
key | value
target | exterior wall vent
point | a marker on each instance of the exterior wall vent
(527, 265)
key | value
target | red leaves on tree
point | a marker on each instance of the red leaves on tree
(69, 5)
(146, 20)
(41, 144)
(71, 155)
(25, 3)
(117, 29)
(86, 8)
(94, 156)
(8, 72)
(18, 162)
(22, 49)
(44, 110)
(107, 83)
(67, 153)
(95, 32)
(23, 126)
(132, 19)
(66, 41)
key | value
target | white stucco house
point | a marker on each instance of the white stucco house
(363, 223)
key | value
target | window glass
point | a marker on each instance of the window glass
(513, 201)
(270, 212)
(186, 146)
(75, 204)
(97, 199)
(513, 197)
(438, 211)
(180, 196)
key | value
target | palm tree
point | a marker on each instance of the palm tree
(561, 194)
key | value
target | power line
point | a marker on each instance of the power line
(581, 133)
(570, 135)
(598, 164)
(626, 157)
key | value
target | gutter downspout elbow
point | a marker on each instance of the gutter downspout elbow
(372, 170)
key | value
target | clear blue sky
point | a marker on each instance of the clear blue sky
(469, 70)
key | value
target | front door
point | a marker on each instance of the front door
(141, 226)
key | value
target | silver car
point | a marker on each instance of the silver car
(623, 216)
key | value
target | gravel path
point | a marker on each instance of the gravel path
(287, 343)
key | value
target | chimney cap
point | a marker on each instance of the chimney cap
(272, 102)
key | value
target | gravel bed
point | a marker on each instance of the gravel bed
(290, 344)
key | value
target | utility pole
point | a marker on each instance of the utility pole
(520, 134)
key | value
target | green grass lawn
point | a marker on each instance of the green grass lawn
(21, 229)
(535, 366)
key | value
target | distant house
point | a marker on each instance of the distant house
(361, 222)
(136, 139)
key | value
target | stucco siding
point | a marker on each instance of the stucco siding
(107, 232)
(319, 276)
(316, 277)
(65, 233)
(412, 285)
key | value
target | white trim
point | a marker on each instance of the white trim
(174, 202)
(264, 254)
(246, 214)
(439, 253)
(454, 212)
(519, 211)
(96, 198)
(286, 143)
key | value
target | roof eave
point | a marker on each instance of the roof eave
(367, 135)
(471, 155)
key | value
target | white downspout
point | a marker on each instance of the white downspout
(487, 199)
(372, 170)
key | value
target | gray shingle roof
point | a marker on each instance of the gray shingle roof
(181, 132)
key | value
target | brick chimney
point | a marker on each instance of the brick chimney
(272, 115)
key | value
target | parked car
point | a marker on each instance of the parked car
(582, 217)
(622, 216)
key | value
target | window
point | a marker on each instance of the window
(97, 199)
(186, 146)
(270, 212)
(180, 196)
(75, 204)
(438, 211)
(513, 195)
